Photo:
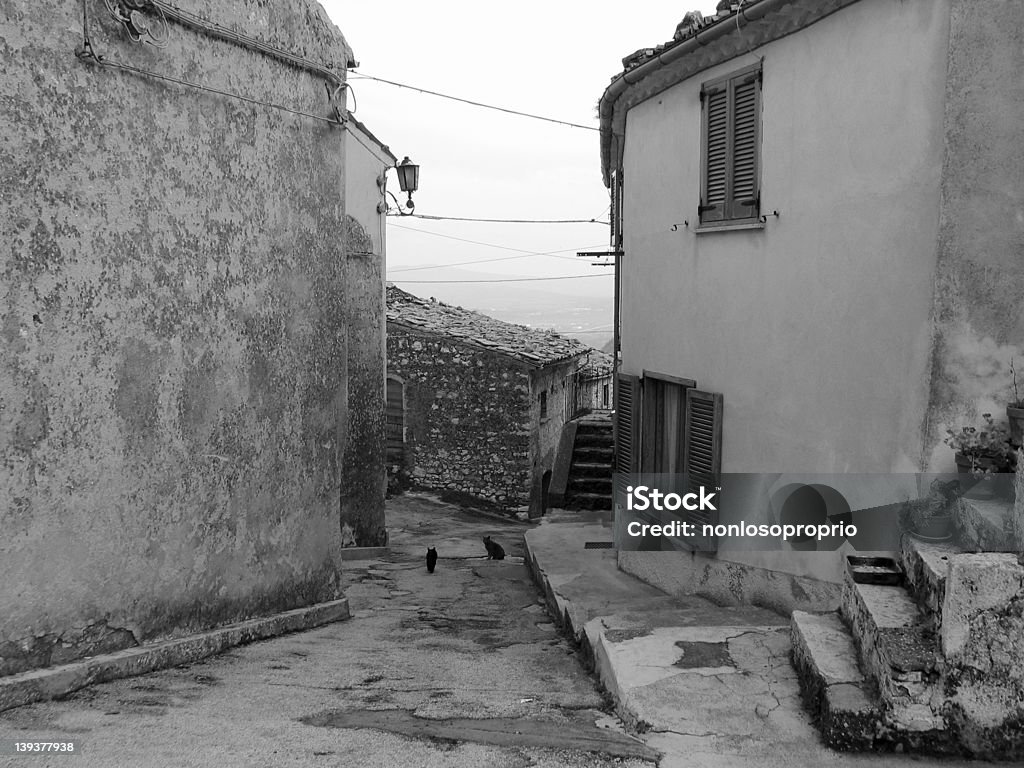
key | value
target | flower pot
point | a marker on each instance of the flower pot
(935, 528)
(1016, 418)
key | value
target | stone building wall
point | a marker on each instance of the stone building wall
(173, 372)
(468, 417)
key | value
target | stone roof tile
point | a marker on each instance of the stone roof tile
(530, 345)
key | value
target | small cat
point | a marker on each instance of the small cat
(431, 559)
(494, 549)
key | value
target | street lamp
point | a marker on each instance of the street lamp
(408, 181)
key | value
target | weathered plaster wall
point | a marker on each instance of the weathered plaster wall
(364, 479)
(173, 366)
(817, 328)
(469, 418)
(547, 430)
(979, 288)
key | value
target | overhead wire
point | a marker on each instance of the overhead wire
(508, 280)
(473, 103)
(493, 245)
(506, 221)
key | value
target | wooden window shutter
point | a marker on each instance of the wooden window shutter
(730, 148)
(716, 155)
(745, 141)
(703, 449)
(627, 423)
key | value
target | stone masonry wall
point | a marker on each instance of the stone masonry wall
(468, 417)
(172, 307)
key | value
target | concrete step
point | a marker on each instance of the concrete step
(899, 655)
(588, 501)
(591, 469)
(925, 565)
(835, 690)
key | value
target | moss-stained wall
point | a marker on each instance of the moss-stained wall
(979, 287)
(172, 308)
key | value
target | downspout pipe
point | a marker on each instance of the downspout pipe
(606, 107)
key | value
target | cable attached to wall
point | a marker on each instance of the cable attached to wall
(127, 13)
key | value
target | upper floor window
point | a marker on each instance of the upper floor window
(731, 148)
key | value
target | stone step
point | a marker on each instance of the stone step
(591, 469)
(593, 454)
(925, 566)
(835, 690)
(982, 524)
(602, 485)
(899, 655)
(588, 501)
(597, 440)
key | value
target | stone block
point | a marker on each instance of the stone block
(977, 584)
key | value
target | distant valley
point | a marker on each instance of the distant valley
(581, 309)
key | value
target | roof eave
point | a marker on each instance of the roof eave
(735, 35)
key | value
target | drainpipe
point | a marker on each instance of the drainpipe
(606, 107)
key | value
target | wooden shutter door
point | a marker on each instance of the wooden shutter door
(703, 453)
(745, 202)
(627, 423)
(716, 154)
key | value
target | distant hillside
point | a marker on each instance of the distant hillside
(578, 308)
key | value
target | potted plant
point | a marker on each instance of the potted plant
(931, 518)
(982, 452)
(1015, 412)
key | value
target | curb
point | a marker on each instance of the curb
(56, 682)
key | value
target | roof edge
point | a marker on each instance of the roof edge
(721, 41)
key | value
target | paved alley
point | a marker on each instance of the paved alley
(461, 667)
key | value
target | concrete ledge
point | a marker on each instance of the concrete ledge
(56, 682)
(364, 553)
(563, 463)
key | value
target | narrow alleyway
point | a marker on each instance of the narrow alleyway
(461, 667)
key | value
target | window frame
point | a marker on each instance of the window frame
(734, 213)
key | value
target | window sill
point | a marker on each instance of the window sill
(728, 226)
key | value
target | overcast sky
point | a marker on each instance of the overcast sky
(552, 58)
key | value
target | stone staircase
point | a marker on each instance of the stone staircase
(590, 473)
(920, 660)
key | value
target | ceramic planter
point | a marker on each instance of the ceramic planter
(1016, 418)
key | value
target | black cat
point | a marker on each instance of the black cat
(431, 559)
(494, 549)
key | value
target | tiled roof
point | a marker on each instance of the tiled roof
(534, 347)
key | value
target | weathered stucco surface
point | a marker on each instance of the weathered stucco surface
(364, 477)
(979, 286)
(173, 366)
(817, 328)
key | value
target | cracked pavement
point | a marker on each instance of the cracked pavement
(462, 667)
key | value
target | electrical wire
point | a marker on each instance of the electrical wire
(87, 52)
(492, 245)
(484, 261)
(507, 221)
(474, 103)
(194, 20)
(507, 280)
(102, 60)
